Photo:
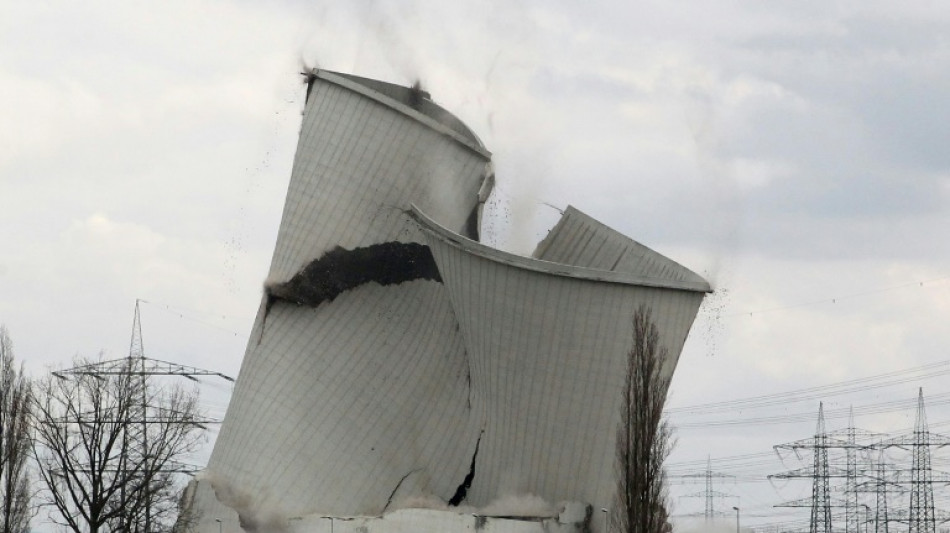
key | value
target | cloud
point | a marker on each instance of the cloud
(794, 151)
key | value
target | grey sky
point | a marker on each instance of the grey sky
(793, 152)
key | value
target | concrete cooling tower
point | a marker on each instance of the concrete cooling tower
(402, 376)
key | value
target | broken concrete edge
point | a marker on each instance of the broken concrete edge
(350, 83)
(573, 218)
(340, 270)
(439, 232)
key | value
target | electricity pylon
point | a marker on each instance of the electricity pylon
(135, 371)
(921, 516)
(820, 473)
(852, 448)
(709, 494)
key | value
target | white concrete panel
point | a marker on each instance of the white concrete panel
(362, 390)
(579, 240)
(354, 397)
(362, 158)
(548, 345)
(347, 405)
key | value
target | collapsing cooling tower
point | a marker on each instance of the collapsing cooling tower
(395, 357)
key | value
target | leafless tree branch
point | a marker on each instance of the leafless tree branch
(105, 459)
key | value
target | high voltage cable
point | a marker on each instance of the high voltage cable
(750, 461)
(779, 401)
(719, 460)
(877, 408)
(756, 473)
(854, 385)
(835, 299)
(740, 463)
(768, 458)
(738, 470)
(181, 313)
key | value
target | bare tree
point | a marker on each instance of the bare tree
(108, 447)
(644, 437)
(15, 508)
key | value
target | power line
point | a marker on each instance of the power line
(849, 386)
(836, 299)
(867, 409)
(182, 313)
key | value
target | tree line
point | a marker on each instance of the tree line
(97, 452)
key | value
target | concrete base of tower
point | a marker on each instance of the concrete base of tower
(572, 518)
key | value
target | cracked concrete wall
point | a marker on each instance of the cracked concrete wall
(548, 345)
(341, 270)
(389, 349)
(361, 160)
(341, 396)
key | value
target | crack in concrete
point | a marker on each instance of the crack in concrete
(462, 489)
(393, 493)
(468, 380)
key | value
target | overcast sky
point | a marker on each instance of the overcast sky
(794, 153)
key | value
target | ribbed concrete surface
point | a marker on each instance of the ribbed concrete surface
(365, 383)
(347, 407)
(362, 158)
(548, 346)
(336, 407)
(577, 239)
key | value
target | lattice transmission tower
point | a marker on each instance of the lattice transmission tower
(853, 470)
(882, 484)
(709, 494)
(921, 516)
(135, 371)
(821, 473)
